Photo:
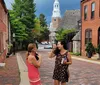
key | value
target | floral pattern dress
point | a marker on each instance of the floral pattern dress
(61, 70)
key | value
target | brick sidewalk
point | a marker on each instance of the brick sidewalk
(93, 58)
(9, 75)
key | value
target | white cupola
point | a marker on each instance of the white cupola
(56, 9)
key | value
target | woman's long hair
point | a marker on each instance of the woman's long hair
(63, 42)
(57, 51)
(29, 49)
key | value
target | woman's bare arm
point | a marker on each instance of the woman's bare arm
(35, 62)
(51, 54)
(69, 62)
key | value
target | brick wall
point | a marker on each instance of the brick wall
(3, 30)
(93, 24)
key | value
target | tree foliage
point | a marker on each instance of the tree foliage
(22, 20)
(44, 33)
(37, 29)
(24, 23)
(17, 27)
(43, 22)
(61, 34)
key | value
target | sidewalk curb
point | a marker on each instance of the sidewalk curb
(23, 70)
(90, 61)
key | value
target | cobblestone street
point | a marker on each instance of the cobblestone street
(81, 72)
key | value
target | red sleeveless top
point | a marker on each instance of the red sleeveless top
(33, 74)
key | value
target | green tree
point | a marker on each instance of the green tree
(43, 20)
(37, 29)
(61, 34)
(17, 27)
(16, 7)
(22, 18)
(44, 33)
(28, 17)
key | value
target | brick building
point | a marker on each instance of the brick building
(3, 30)
(90, 15)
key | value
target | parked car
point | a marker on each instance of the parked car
(44, 43)
(48, 47)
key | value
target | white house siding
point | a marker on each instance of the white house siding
(76, 46)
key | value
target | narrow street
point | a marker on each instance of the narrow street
(74, 25)
(81, 72)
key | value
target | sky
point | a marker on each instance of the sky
(46, 6)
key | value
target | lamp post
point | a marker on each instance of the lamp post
(14, 43)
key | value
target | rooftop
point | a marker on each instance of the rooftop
(70, 19)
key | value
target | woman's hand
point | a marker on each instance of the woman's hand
(39, 56)
(54, 46)
(36, 63)
(65, 62)
(51, 54)
(69, 62)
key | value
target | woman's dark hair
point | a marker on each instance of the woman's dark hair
(57, 51)
(63, 42)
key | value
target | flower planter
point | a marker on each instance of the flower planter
(89, 55)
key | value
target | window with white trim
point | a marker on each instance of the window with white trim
(88, 35)
(92, 10)
(85, 12)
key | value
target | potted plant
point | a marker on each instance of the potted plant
(90, 49)
(9, 50)
(98, 51)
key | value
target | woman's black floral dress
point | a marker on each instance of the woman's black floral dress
(61, 71)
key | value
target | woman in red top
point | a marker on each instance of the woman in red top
(33, 63)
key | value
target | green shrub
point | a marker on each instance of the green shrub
(98, 49)
(90, 48)
(77, 54)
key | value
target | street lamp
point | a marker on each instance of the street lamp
(14, 43)
(13, 36)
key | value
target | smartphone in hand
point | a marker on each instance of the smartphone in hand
(63, 59)
(36, 56)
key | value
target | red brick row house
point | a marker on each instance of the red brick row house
(90, 15)
(3, 30)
